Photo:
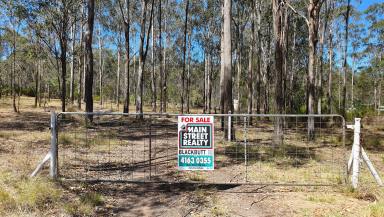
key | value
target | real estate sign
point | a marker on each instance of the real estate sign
(196, 143)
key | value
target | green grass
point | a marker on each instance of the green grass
(92, 198)
(196, 177)
(375, 210)
(6, 135)
(322, 198)
(84, 206)
(37, 194)
(6, 201)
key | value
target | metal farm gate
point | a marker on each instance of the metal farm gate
(123, 148)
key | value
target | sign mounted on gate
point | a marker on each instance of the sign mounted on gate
(196, 143)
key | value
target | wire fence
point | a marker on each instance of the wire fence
(121, 147)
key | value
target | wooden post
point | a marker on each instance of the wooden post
(356, 153)
(371, 167)
(54, 150)
(354, 159)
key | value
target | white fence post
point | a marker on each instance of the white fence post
(53, 164)
(354, 159)
(229, 126)
(356, 153)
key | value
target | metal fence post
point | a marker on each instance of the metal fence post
(229, 126)
(54, 150)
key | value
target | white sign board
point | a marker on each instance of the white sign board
(196, 143)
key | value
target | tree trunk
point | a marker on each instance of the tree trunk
(40, 80)
(330, 54)
(72, 81)
(184, 58)
(36, 84)
(166, 43)
(13, 84)
(142, 57)
(63, 60)
(81, 65)
(89, 58)
(226, 64)
(210, 71)
(279, 70)
(205, 86)
(250, 69)
(258, 69)
(118, 77)
(293, 71)
(160, 54)
(313, 24)
(189, 71)
(153, 77)
(343, 110)
(127, 26)
(101, 66)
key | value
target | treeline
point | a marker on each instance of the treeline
(244, 56)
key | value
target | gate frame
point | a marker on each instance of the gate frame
(53, 154)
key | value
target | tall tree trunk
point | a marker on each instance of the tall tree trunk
(101, 66)
(63, 60)
(81, 64)
(293, 70)
(153, 77)
(36, 83)
(118, 76)
(184, 57)
(352, 80)
(330, 54)
(343, 111)
(63, 41)
(226, 63)
(166, 43)
(209, 91)
(40, 80)
(13, 83)
(205, 86)
(189, 71)
(320, 70)
(160, 54)
(313, 24)
(250, 68)
(72, 81)
(142, 56)
(259, 54)
(89, 58)
(278, 16)
(127, 26)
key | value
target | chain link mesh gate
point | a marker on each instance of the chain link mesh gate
(121, 148)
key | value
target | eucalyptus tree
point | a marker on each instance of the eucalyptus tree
(347, 14)
(125, 11)
(143, 51)
(45, 16)
(226, 102)
(278, 16)
(12, 11)
(375, 47)
(89, 57)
